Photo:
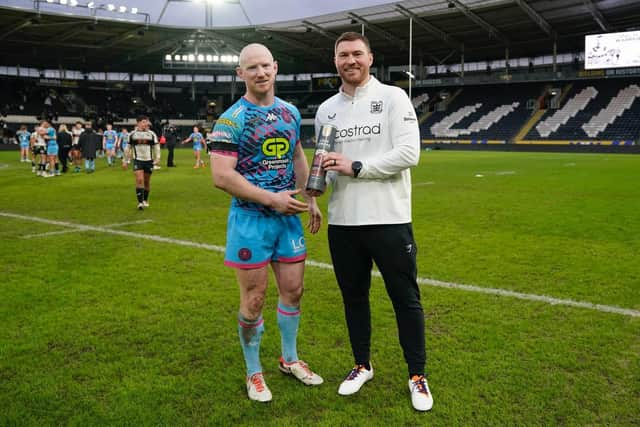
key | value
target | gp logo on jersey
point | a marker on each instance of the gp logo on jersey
(276, 147)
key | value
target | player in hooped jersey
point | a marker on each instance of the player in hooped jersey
(144, 149)
(256, 157)
(75, 153)
(198, 145)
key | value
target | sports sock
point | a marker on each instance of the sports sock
(250, 333)
(146, 195)
(140, 194)
(87, 164)
(288, 321)
(367, 365)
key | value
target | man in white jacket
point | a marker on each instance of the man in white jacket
(377, 142)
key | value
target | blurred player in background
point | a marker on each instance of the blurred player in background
(144, 149)
(39, 150)
(123, 143)
(109, 140)
(50, 136)
(23, 137)
(76, 155)
(198, 145)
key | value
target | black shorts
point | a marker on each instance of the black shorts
(143, 165)
(38, 149)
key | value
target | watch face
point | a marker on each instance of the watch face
(355, 167)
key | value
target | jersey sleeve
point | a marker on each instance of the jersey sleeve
(298, 120)
(225, 136)
(404, 134)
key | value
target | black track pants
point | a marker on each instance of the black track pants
(393, 249)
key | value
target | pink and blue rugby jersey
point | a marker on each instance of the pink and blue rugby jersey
(264, 140)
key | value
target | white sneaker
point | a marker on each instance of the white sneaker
(421, 397)
(141, 206)
(301, 371)
(145, 203)
(355, 380)
(257, 389)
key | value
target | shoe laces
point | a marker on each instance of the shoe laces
(258, 382)
(300, 363)
(305, 367)
(420, 384)
(355, 372)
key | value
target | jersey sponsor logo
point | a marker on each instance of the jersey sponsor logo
(244, 254)
(376, 107)
(227, 122)
(331, 116)
(410, 117)
(219, 135)
(275, 147)
(271, 117)
(298, 245)
(356, 130)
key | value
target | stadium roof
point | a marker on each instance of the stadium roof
(300, 33)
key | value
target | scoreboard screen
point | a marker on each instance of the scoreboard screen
(612, 50)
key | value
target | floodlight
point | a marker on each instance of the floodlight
(122, 9)
(185, 58)
(167, 57)
(216, 58)
(49, 1)
(111, 6)
(209, 58)
(176, 58)
(235, 58)
(192, 57)
(91, 5)
(73, 3)
(134, 10)
(200, 58)
(63, 2)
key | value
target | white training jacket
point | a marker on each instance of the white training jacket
(378, 126)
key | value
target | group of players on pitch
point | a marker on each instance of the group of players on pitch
(49, 150)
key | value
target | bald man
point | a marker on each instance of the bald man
(257, 158)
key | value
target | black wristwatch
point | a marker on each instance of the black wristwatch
(356, 167)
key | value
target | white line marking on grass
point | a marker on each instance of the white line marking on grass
(506, 173)
(4, 165)
(82, 228)
(421, 280)
(419, 184)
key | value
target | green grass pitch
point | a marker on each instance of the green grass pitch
(98, 328)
